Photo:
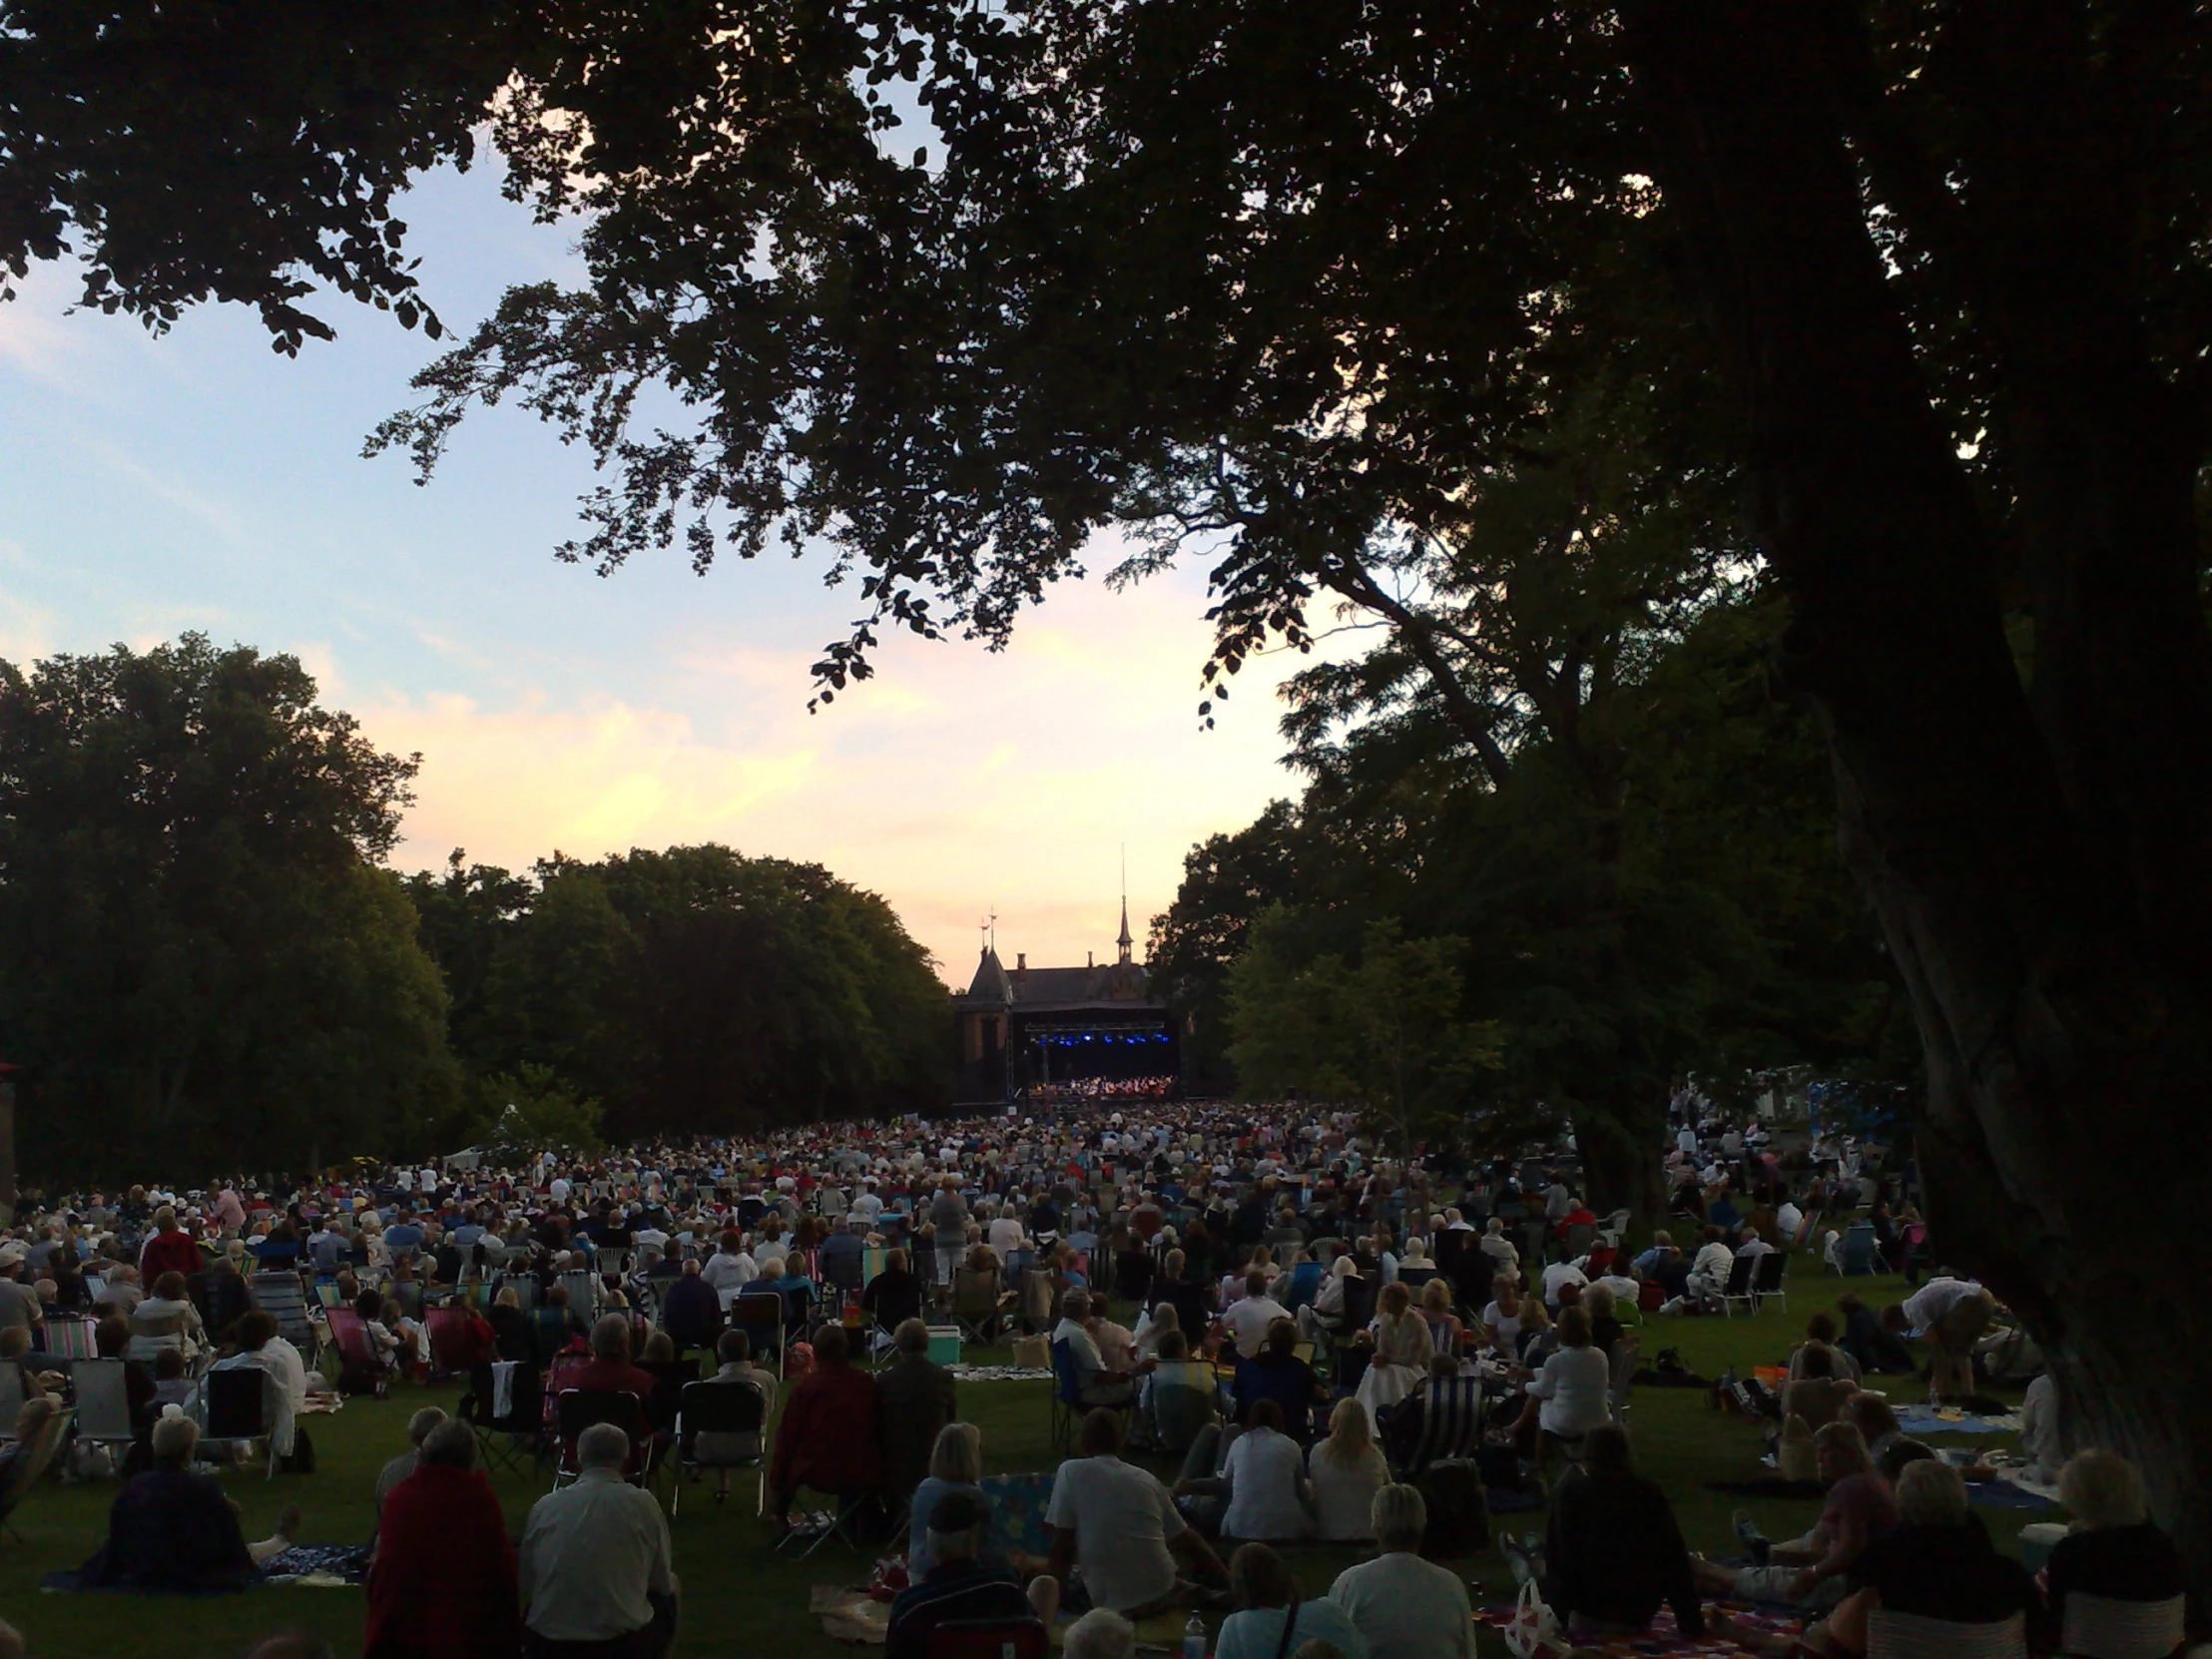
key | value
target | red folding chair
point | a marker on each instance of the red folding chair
(358, 1362)
(456, 1345)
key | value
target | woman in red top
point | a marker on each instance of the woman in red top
(443, 1582)
(827, 1441)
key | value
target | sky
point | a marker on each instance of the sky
(201, 481)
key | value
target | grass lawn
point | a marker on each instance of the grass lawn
(737, 1597)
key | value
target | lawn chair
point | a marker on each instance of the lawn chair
(11, 1399)
(520, 1422)
(1614, 1228)
(670, 1379)
(2123, 1629)
(760, 1315)
(576, 1409)
(726, 1412)
(69, 1339)
(1911, 1636)
(1450, 1424)
(103, 1402)
(988, 1639)
(456, 1346)
(25, 1471)
(582, 1285)
(237, 1405)
(280, 1296)
(358, 1358)
(978, 1303)
(1738, 1288)
(1766, 1283)
(1036, 1299)
(1858, 1253)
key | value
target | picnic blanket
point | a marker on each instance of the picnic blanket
(850, 1614)
(997, 1373)
(1667, 1642)
(315, 1565)
(1916, 1421)
(2009, 1493)
(1017, 1505)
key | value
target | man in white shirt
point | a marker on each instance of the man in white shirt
(595, 1564)
(1789, 1219)
(1559, 1275)
(730, 1269)
(1685, 1141)
(1496, 1245)
(1118, 1525)
(1005, 1233)
(1248, 1318)
(1405, 1607)
(1101, 1385)
(559, 1190)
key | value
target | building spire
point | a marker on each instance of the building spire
(1124, 941)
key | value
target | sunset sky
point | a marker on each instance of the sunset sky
(203, 481)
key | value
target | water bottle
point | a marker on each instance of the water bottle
(1194, 1638)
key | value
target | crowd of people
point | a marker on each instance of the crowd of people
(1318, 1334)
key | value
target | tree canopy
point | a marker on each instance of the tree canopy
(200, 963)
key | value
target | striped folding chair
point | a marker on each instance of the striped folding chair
(1911, 1636)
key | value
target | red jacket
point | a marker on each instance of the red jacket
(444, 1583)
(169, 1253)
(827, 1438)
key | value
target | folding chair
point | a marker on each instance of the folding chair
(1766, 1283)
(11, 1399)
(454, 1342)
(978, 1303)
(988, 1639)
(69, 1339)
(237, 1405)
(1451, 1422)
(1738, 1288)
(727, 1411)
(1914, 1636)
(24, 1472)
(285, 1299)
(760, 1315)
(576, 1409)
(1036, 1299)
(582, 1285)
(849, 1505)
(103, 1402)
(356, 1355)
(479, 1408)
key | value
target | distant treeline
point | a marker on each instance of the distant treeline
(204, 963)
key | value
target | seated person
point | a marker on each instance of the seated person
(1115, 1523)
(955, 1465)
(829, 1438)
(915, 1399)
(609, 1367)
(1814, 1391)
(894, 1296)
(2114, 1553)
(1277, 1373)
(1859, 1511)
(1178, 1394)
(287, 1385)
(1273, 1618)
(1262, 1490)
(1346, 1470)
(958, 1585)
(1096, 1384)
(1931, 1564)
(1613, 1552)
(172, 1531)
(1402, 1606)
(1821, 1329)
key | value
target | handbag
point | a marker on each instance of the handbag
(1534, 1630)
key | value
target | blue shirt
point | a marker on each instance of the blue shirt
(1257, 1632)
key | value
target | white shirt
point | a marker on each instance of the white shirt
(1082, 1350)
(1122, 1518)
(1929, 1305)
(1503, 1326)
(729, 1275)
(1344, 1498)
(589, 1555)
(559, 1189)
(1789, 1219)
(1264, 1469)
(1005, 1236)
(1713, 1261)
(1575, 1388)
(1248, 1321)
(1686, 1142)
(1408, 1608)
(1558, 1274)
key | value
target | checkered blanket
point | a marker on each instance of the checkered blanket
(1665, 1642)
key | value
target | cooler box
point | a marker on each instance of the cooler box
(944, 1343)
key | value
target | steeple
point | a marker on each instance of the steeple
(1124, 941)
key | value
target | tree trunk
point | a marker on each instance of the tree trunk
(2036, 860)
(1621, 1164)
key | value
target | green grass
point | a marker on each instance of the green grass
(737, 1594)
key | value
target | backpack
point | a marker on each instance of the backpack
(1458, 1519)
